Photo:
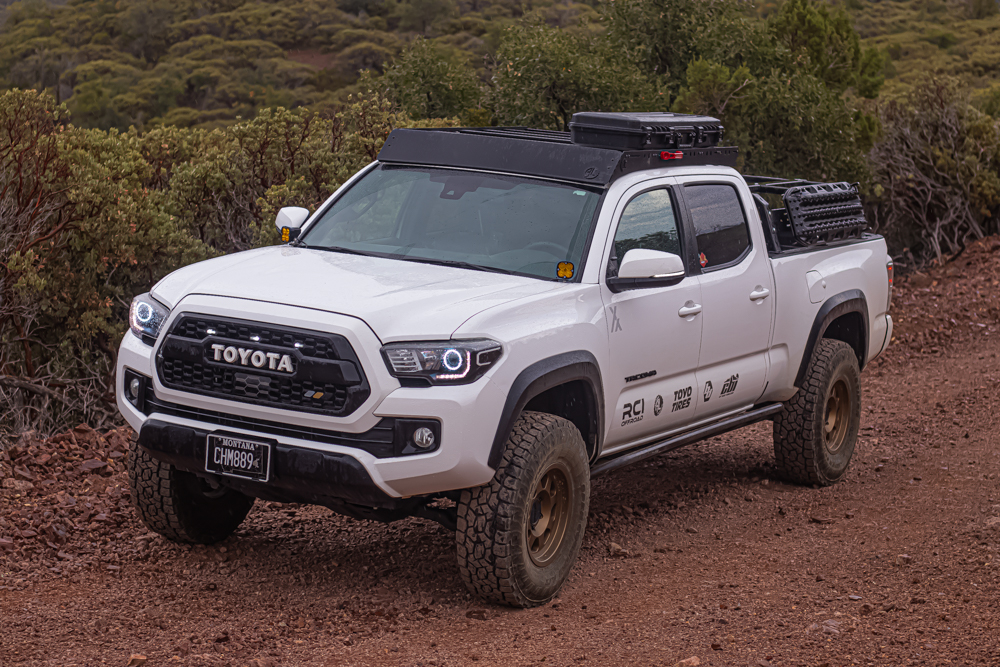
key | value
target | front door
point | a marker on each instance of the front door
(654, 333)
(736, 285)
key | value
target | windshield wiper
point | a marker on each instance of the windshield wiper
(423, 260)
(454, 263)
(337, 248)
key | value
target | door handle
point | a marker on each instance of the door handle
(688, 309)
(759, 293)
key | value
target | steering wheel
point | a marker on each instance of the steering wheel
(539, 245)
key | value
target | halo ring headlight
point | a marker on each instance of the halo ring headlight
(146, 316)
(444, 362)
(144, 312)
(452, 360)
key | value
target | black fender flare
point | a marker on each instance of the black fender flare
(851, 301)
(542, 376)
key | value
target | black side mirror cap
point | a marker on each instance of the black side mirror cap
(617, 285)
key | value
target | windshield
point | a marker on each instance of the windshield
(464, 218)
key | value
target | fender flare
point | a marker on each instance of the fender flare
(541, 376)
(851, 301)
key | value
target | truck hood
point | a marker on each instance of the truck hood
(399, 300)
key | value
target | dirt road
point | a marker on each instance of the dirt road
(702, 553)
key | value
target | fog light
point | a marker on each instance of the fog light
(133, 388)
(423, 438)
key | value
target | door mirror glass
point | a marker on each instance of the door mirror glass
(289, 221)
(643, 263)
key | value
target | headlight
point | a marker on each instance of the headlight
(145, 317)
(448, 362)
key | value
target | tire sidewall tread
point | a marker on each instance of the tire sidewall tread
(799, 444)
(167, 503)
(492, 556)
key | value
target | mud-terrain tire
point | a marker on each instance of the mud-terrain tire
(518, 536)
(181, 506)
(815, 433)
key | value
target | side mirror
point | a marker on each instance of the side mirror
(647, 268)
(289, 221)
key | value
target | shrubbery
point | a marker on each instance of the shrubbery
(91, 217)
(937, 166)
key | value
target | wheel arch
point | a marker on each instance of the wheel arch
(567, 385)
(842, 317)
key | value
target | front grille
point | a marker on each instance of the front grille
(327, 378)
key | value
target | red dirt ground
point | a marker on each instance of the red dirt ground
(702, 553)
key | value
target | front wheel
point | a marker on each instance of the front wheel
(815, 433)
(518, 536)
(180, 505)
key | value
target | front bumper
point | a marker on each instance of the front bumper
(468, 415)
(298, 475)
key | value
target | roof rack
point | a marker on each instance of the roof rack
(518, 132)
(600, 149)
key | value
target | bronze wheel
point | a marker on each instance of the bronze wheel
(815, 433)
(838, 415)
(548, 515)
(519, 535)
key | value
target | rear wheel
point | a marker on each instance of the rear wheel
(180, 505)
(815, 433)
(518, 536)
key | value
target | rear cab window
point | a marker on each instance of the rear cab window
(719, 224)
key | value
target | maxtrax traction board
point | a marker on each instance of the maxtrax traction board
(825, 211)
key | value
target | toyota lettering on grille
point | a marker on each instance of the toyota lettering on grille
(249, 357)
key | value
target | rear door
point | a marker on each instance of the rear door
(654, 333)
(737, 292)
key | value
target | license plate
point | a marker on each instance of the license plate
(238, 457)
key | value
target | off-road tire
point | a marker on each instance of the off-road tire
(181, 506)
(801, 447)
(494, 555)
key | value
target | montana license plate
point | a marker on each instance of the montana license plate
(238, 457)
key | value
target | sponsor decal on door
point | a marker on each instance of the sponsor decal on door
(682, 399)
(633, 412)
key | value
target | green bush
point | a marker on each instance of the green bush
(788, 125)
(431, 80)
(94, 217)
(544, 75)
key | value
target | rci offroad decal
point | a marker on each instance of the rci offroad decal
(730, 385)
(632, 412)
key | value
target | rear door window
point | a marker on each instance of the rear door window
(720, 225)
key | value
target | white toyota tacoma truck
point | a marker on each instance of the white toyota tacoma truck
(480, 321)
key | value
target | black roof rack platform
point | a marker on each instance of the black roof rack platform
(623, 144)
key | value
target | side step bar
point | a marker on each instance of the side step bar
(663, 446)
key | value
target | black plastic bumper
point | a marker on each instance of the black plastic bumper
(298, 475)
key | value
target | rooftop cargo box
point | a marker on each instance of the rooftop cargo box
(644, 131)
